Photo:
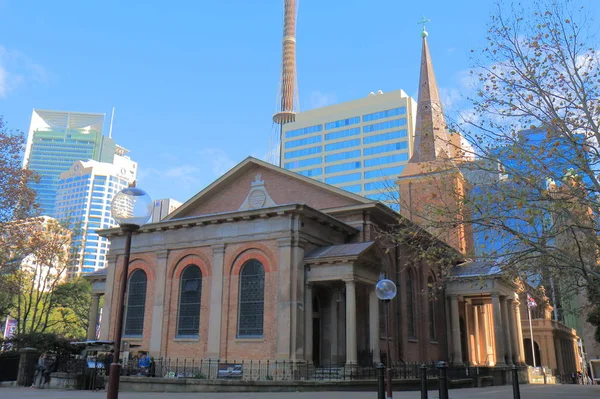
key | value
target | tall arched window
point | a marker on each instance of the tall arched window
(251, 300)
(410, 305)
(190, 296)
(136, 304)
(432, 308)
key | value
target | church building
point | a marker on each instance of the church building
(268, 264)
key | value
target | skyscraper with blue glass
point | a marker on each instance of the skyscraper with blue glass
(55, 141)
(360, 146)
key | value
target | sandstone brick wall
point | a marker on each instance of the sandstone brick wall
(178, 261)
(145, 262)
(281, 188)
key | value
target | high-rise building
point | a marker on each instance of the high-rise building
(83, 202)
(55, 140)
(162, 208)
(360, 146)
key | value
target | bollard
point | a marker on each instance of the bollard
(380, 382)
(442, 379)
(423, 381)
(515, 382)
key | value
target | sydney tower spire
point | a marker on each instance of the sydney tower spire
(287, 99)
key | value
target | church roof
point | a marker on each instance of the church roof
(476, 268)
(341, 250)
(247, 165)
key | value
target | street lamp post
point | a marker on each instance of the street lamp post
(130, 208)
(386, 291)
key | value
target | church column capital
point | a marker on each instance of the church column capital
(218, 249)
(162, 253)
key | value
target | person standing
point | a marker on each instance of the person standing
(40, 369)
(108, 361)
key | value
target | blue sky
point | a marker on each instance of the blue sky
(194, 83)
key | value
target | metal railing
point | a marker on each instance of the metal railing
(265, 370)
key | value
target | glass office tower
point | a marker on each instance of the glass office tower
(84, 195)
(360, 146)
(55, 141)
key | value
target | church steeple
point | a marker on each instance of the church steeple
(432, 140)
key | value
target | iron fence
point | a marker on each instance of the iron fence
(9, 366)
(266, 370)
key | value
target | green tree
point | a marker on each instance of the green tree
(70, 317)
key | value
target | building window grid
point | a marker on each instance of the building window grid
(384, 114)
(190, 300)
(251, 300)
(342, 122)
(136, 304)
(303, 152)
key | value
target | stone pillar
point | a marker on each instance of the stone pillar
(158, 311)
(507, 331)
(456, 344)
(284, 327)
(351, 344)
(374, 334)
(498, 331)
(28, 358)
(519, 328)
(477, 336)
(485, 330)
(308, 323)
(215, 313)
(333, 327)
(105, 329)
(514, 337)
(93, 317)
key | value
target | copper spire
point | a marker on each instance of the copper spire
(288, 96)
(432, 140)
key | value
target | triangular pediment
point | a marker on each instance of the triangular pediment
(254, 184)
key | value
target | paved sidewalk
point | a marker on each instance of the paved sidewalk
(502, 392)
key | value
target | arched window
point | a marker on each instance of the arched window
(251, 300)
(136, 304)
(190, 296)
(432, 308)
(410, 305)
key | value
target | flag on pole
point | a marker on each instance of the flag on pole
(531, 302)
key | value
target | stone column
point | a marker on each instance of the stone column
(510, 310)
(374, 334)
(284, 327)
(351, 344)
(333, 327)
(498, 331)
(308, 324)
(519, 328)
(507, 331)
(477, 337)
(93, 317)
(158, 311)
(484, 329)
(215, 312)
(105, 329)
(456, 344)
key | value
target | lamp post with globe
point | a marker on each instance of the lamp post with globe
(386, 291)
(130, 208)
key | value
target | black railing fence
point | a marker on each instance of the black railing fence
(9, 366)
(265, 370)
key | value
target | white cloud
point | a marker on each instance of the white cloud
(319, 99)
(17, 68)
(217, 159)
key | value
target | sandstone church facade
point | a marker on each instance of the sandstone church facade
(267, 264)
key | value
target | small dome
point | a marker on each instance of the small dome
(424, 33)
(371, 94)
(379, 92)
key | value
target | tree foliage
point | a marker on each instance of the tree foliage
(533, 165)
